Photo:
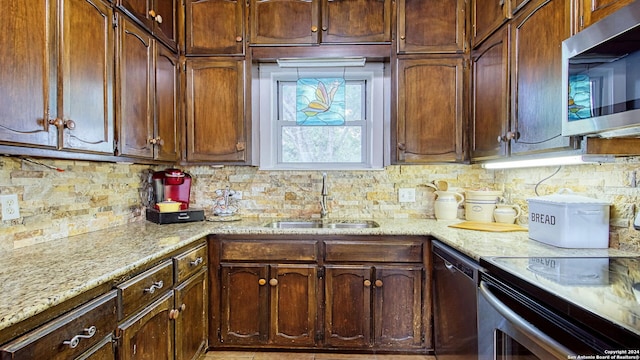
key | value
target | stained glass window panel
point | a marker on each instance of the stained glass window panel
(320, 101)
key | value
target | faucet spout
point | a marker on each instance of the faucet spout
(323, 199)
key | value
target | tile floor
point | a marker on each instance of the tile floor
(241, 355)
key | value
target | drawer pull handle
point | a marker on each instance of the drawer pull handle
(156, 286)
(73, 343)
(197, 261)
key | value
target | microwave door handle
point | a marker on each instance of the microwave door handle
(532, 332)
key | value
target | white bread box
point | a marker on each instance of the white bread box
(569, 220)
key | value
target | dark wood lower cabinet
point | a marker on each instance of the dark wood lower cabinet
(268, 304)
(149, 334)
(373, 306)
(347, 293)
(191, 324)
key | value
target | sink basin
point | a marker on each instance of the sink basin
(329, 224)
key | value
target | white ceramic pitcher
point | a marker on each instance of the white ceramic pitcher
(506, 213)
(446, 204)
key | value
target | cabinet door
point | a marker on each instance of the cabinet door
(28, 87)
(284, 21)
(149, 334)
(595, 10)
(490, 97)
(85, 104)
(167, 144)
(398, 307)
(339, 23)
(428, 26)
(536, 76)
(293, 293)
(486, 17)
(139, 9)
(135, 63)
(164, 15)
(215, 111)
(429, 110)
(191, 324)
(215, 27)
(347, 320)
(244, 305)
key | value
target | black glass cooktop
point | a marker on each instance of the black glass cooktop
(608, 288)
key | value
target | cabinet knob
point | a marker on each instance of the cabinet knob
(367, 283)
(152, 141)
(182, 307)
(159, 19)
(238, 38)
(152, 13)
(56, 122)
(174, 314)
(378, 283)
(324, 28)
(314, 28)
(262, 282)
(402, 147)
(510, 135)
(273, 282)
(403, 37)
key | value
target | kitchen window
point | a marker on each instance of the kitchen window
(322, 118)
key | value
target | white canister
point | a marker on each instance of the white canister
(446, 205)
(479, 205)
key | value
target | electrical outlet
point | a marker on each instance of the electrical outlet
(10, 207)
(407, 195)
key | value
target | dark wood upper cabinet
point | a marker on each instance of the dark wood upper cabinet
(349, 21)
(215, 27)
(430, 110)
(63, 96)
(160, 17)
(319, 21)
(27, 86)
(595, 10)
(284, 21)
(431, 26)
(536, 76)
(490, 97)
(148, 84)
(486, 17)
(215, 115)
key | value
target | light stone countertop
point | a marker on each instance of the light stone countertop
(39, 277)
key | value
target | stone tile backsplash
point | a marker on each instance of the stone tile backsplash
(90, 196)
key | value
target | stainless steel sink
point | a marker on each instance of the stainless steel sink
(327, 224)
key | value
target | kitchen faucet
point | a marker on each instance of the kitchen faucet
(323, 200)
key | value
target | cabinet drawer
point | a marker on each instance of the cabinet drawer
(144, 288)
(190, 262)
(272, 250)
(373, 251)
(69, 335)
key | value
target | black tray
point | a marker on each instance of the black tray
(183, 216)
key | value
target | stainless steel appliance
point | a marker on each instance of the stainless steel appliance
(455, 283)
(558, 308)
(601, 77)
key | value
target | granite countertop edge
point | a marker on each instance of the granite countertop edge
(42, 276)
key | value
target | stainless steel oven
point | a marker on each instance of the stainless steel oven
(526, 310)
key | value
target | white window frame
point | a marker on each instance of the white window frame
(373, 133)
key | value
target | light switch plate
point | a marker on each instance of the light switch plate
(10, 207)
(407, 195)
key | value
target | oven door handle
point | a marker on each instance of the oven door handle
(541, 339)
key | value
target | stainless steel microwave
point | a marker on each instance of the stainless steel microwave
(601, 77)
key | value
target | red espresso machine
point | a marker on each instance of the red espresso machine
(172, 185)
